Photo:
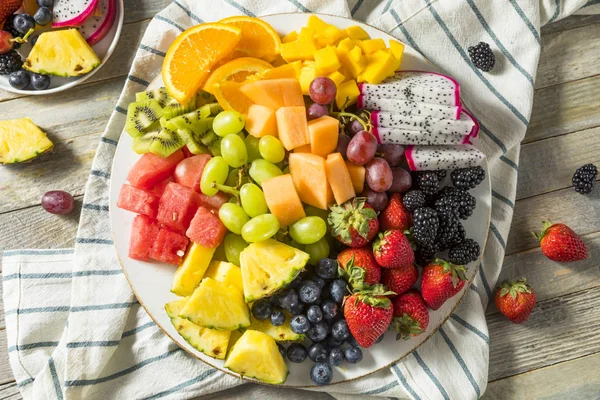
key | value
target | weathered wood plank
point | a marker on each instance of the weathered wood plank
(9, 391)
(137, 10)
(572, 22)
(5, 371)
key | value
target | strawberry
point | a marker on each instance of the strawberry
(560, 243)
(392, 250)
(515, 300)
(8, 7)
(359, 266)
(395, 215)
(368, 314)
(410, 315)
(440, 281)
(399, 280)
(354, 223)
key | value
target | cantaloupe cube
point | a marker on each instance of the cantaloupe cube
(337, 78)
(274, 93)
(307, 74)
(356, 32)
(347, 94)
(330, 35)
(371, 45)
(290, 37)
(396, 48)
(323, 133)
(261, 121)
(317, 24)
(291, 70)
(303, 149)
(339, 178)
(283, 200)
(357, 174)
(356, 62)
(292, 127)
(380, 65)
(327, 60)
(310, 178)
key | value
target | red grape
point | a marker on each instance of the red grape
(402, 181)
(392, 153)
(377, 200)
(342, 144)
(362, 148)
(322, 90)
(379, 174)
(5, 44)
(57, 202)
(354, 127)
(316, 111)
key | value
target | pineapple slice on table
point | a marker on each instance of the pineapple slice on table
(192, 269)
(211, 342)
(21, 140)
(281, 333)
(226, 273)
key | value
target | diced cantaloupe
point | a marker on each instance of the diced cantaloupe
(357, 174)
(371, 45)
(283, 200)
(356, 32)
(337, 77)
(291, 70)
(323, 133)
(274, 93)
(327, 60)
(380, 65)
(307, 74)
(310, 178)
(292, 127)
(290, 37)
(339, 178)
(303, 149)
(347, 94)
(261, 121)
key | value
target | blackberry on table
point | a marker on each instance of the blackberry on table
(454, 200)
(583, 179)
(464, 253)
(467, 178)
(451, 232)
(426, 226)
(482, 56)
(427, 181)
(10, 62)
(414, 199)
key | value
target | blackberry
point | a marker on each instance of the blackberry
(451, 232)
(482, 56)
(9, 27)
(441, 174)
(426, 253)
(427, 181)
(426, 226)
(10, 62)
(414, 199)
(456, 201)
(464, 253)
(467, 178)
(583, 179)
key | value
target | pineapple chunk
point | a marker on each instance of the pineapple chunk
(281, 333)
(256, 355)
(226, 273)
(269, 265)
(191, 271)
(216, 305)
(235, 336)
(211, 342)
(21, 140)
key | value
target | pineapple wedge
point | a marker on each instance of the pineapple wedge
(281, 333)
(21, 140)
(216, 305)
(256, 355)
(226, 273)
(211, 342)
(268, 266)
(235, 336)
(192, 270)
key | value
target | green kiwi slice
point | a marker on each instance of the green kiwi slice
(141, 115)
(166, 142)
(196, 139)
(160, 95)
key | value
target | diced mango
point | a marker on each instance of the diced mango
(310, 179)
(396, 48)
(346, 72)
(303, 48)
(371, 45)
(356, 62)
(346, 44)
(316, 23)
(380, 65)
(330, 35)
(339, 178)
(307, 33)
(323, 133)
(307, 74)
(303, 149)
(292, 127)
(337, 78)
(290, 37)
(283, 200)
(274, 93)
(356, 32)
(279, 61)
(291, 70)
(327, 60)
(357, 174)
(261, 121)
(347, 94)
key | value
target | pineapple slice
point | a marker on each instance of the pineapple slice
(211, 342)
(269, 265)
(61, 53)
(235, 336)
(192, 270)
(226, 273)
(21, 140)
(256, 355)
(216, 305)
(281, 333)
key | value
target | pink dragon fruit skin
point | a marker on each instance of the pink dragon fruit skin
(407, 137)
(72, 12)
(431, 158)
(408, 108)
(465, 126)
(94, 29)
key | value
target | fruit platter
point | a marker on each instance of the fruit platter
(302, 205)
(47, 46)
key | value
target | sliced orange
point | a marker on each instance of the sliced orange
(238, 70)
(259, 39)
(230, 97)
(193, 54)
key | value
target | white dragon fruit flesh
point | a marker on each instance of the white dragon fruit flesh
(407, 137)
(97, 26)
(427, 125)
(72, 12)
(431, 158)
(409, 108)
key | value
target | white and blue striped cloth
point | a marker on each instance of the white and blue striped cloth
(75, 329)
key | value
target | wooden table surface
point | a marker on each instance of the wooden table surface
(556, 353)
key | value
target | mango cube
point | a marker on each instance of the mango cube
(356, 32)
(307, 74)
(356, 62)
(380, 65)
(347, 94)
(316, 23)
(303, 48)
(290, 37)
(396, 48)
(327, 60)
(330, 35)
(337, 78)
(371, 45)
(346, 45)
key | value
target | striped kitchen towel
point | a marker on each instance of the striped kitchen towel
(75, 329)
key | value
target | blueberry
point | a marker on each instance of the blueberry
(295, 284)
(288, 299)
(43, 16)
(353, 354)
(380, 338)
(317, 352)
(352, 341)
(327, 268)
(321, 373)
(299, 324)
(340, 330)
(330, 309)
(23, 23)
(319, 281)
(45, 3)
(338, 290)
(281, 349)
(332, 342)
(297, 309)
(277, 318)
(318, 332)
(309, 292)
(314, 314)
(274, 300)
(262, 309)
(19, 79)
(336, 356)
(40, 82)
(33, 40)
(296, 353)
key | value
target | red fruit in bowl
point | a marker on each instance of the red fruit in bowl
(440, 281)
(515, 300)
(354, 223)
(399, 280)
(395, 215)
(411, 316)
(352, 259)
(392, 250)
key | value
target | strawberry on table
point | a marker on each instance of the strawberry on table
(410, 315)
(353, 260)
(515, 300)
(395, 215)
(368, 314)
(399, 280)
(440, 281)
(354, 223)
(392, 250)
(560, 243)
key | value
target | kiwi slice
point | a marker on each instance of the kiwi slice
(203, 98)
(141, 115)
(141, 144)
(166, 142)
(160, 95)
(197, 138)
(198, 122)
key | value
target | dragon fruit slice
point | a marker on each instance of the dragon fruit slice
(97, 26)
(409, 108)
(72, 12)
(408, 137)
(431, 158)
(465, 126)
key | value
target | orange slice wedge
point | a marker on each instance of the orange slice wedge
(230, 97)
(192, 55)
(259, 39)
(238, 70)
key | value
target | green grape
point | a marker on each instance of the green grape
(260, 228)
(216, 170)
(253, 200)
(317, 250)
(232, 178)
(233, 217)
(234, 244)
(215, 148)
(271, 149)
(312, 211)
(308, 230)
(232, 200)
(295, 244)
(252, 147)
(241, 135)
(261, 170)
(234, 151)
(220, 254)
(228, 122)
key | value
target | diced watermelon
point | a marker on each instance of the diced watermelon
(143, 234)
(189, 171)
(151, 169)
(215, 201)
(138, 200)
(206, 228)
(177, 207)
(159, 189)
(186, 152)
(169, 246)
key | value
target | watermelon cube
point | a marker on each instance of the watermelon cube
(143, 233)
(206, 228)
(177, 207)
(159, 189)
(151, 169)
(169, 246)
(215, 201)
(189, 171)
(138, 200)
